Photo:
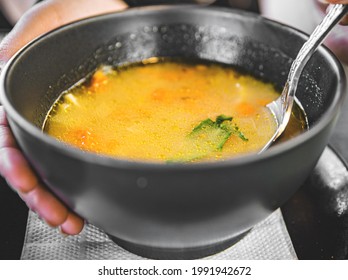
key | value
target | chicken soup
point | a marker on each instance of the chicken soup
(168, 111)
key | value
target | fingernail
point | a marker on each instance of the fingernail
(61, 232)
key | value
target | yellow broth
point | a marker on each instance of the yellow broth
(167, 111)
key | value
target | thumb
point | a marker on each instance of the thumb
(48, 15)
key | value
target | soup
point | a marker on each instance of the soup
(169, 111)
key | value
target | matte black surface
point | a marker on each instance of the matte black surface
(13, 217)
(216, 193)
(315, 232)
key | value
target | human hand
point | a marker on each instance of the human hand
(345, 19)
(14, 168)
(337, 40)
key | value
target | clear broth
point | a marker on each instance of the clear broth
(165, 110)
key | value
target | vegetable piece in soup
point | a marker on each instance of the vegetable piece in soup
(166, 111)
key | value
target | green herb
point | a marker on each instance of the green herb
(209, 136)
(220, 119)
(236, 131)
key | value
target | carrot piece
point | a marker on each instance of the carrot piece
(159, 94)
(245, 108)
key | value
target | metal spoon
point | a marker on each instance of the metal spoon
(281, 108)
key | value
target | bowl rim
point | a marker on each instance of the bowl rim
(104, 160)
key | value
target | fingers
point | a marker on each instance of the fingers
(17, 172)
(6, 138)
(49, 15)
(13, 165)
(72, 225)
(14, 168)
(45, 205)
(52, 211)
(345, 19)
(335, 1)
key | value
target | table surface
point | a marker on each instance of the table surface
(316, 232)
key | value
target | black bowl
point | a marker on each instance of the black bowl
(176, 210)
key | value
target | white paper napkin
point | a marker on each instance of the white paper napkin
(269, 240)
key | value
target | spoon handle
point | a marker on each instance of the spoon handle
(336, 13)
(282, 106)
